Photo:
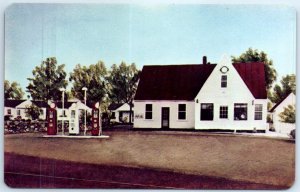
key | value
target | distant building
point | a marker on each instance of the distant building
(204, 96)
(280, 126)
(10, 108)
(18, 108)
(120, 112)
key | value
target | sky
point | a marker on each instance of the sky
(144, 34)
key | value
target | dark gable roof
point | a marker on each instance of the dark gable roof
(12, 102)
(114, 106)
(41, 104)
(253, 74)
(276, 105)
(183, 82)
(67, 104)
(172, 82)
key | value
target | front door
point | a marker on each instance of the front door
(165, 117)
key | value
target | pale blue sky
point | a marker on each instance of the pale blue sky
(144, 34)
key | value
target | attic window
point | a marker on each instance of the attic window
(224, 81)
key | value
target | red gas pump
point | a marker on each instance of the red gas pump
(95, 120)
(51, 118)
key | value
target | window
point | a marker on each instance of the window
(73, 113)
(181, 111)
(207, 111)
(223, 112)
(18, 112)
(224, 81)
(42, 112)
(113, 115)
(9, 111)
(258, 112)
(148, 111)
(240, 111)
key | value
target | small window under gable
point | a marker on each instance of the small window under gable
(224, 81)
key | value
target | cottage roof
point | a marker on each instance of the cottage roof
(253, 74)
(172, 82)
(276, 105)
(183, 82)
(41, 104)
(12, 102)
(67, 104)
(114, 106)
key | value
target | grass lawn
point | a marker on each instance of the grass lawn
(259, 160)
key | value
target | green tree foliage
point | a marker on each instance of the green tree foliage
(13, 90)
(47, 79)
(33, 112)
(288, 115)
(92, 77)
(255, 56)
(288, 85)
(123, 80)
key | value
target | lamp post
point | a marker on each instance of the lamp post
(63, 109)
(85, 129)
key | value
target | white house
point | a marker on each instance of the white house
(120, 112)
(206, 96)
(10, 107)
(280, 126)
(22, 107)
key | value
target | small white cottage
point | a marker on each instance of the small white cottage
(282, 127)
(22, 107)
(10, 110)
(120, 112)
(223, 96)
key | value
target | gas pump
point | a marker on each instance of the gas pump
(74, 120)
(96, 120)
(51, 118)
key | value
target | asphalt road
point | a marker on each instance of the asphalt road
(34, 172)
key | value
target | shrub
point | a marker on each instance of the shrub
(293, 134)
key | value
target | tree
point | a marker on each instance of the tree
(288, 115)
(33, 112)
(288, 85)
(92, 77)
(13, 90)
(47, 79)
(123, 80)
(255, 56)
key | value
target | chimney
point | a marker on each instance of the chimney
(204, 60)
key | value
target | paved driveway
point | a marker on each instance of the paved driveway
(239, 158)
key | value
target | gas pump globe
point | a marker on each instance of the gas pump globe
(51, 119)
